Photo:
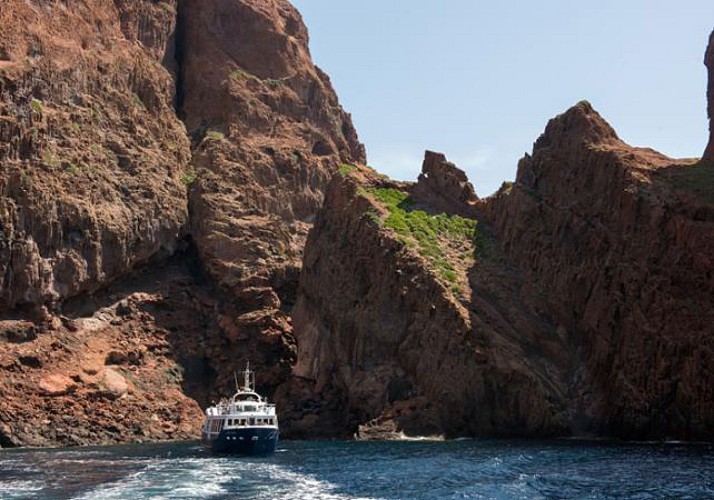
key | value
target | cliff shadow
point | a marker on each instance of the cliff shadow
(510, 315)
(694, 178)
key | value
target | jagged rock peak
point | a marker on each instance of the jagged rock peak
(709, 62)
(579, 124)
(444, 186)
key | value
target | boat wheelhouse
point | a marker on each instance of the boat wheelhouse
(244, 424)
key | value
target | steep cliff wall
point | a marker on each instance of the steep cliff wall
(268, 133)
(90, 149)
(621, 237)
(161, 163)
(91, 163)
(102, 182)
(399, 344)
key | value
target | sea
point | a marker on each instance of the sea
(421, 469)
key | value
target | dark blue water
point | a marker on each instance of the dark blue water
(390, 470)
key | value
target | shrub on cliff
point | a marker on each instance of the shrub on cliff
(427, 233)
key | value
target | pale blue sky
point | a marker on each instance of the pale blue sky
(479, 80)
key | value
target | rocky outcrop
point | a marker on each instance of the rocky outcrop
(709, 62)
(444, 188)
(619, 236)
(117, 366)
(365, 346)
(161, 164)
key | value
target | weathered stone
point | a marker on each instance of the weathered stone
(443, 187)
(87, 109)
(57, 385)
(591, 288)
(114, 383)
(624, 252)
(396, 331)
(268, 140)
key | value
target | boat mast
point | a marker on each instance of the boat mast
(246, 378)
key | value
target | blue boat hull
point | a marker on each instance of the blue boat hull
(246, 441)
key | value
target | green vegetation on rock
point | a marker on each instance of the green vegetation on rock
(72, 168)
(36, 106)
(215, 135)
(274, 82)
(428, 234)
(345, 170)
(240, 74)
(188, 177)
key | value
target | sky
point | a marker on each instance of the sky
(478, 80)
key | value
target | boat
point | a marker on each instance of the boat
(245, 424)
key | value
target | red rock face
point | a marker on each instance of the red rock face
(589, 307)
(91, 160)
(92, 153)
(397, 350)
(268, 134)
(709, 62)
(443, 187)
(619, 238)
(99, 175)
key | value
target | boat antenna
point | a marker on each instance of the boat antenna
(235, 380)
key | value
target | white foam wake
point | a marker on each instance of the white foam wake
(216, 477)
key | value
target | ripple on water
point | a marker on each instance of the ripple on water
(352, 470)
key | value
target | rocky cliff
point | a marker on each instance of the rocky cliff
(268, 133)
(620, 237)
(91, 151)
(160, 165)
(585, 306)
(432, 330)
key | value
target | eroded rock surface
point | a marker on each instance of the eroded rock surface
(444, 188)
(91, 152)
(405, 348)
(588, 308)
(620, 237)
(161, 164)
(129, 130)
(120, 365)
(268, 134)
